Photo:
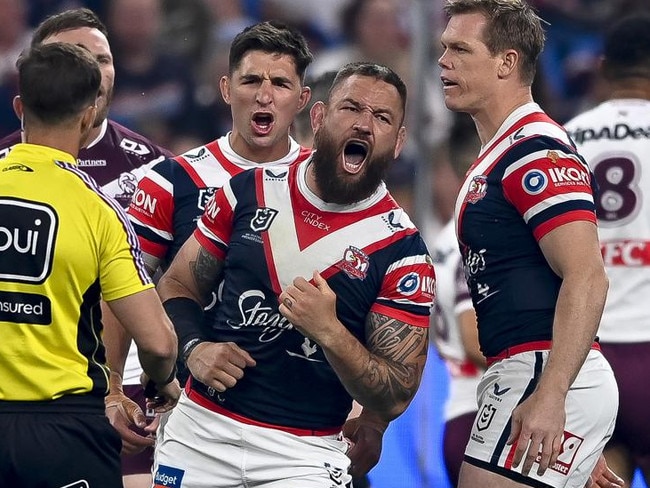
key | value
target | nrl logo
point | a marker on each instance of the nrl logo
(485, 418)
(263, 219)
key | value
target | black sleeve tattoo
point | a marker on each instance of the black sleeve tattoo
(207, 272)
(398, 352)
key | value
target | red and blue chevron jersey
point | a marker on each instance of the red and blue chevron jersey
(527, 181)
(270, 228)
(172, 196)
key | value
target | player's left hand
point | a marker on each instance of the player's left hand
(366, 440)
(537, 429)
(311, 308)
(603, 477)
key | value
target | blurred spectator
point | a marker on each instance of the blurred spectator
(570, 58)
(15, 35)
(229, 17)
(186, 29)
(154, 91)
(323, 16)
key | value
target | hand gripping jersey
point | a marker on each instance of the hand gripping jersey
(63, 245)
(270, 229)
(172, 196)
(452, 299)
(116, 160)
(527, 181)
(614, 138)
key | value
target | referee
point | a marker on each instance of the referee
(64, 245)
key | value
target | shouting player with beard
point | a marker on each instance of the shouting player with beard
(327, 287)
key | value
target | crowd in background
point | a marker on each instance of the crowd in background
(170, 54)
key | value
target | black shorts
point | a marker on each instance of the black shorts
(54, 449)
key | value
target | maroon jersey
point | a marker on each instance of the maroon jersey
(116, 160)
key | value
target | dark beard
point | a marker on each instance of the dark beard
(335, 189)
(101, 116)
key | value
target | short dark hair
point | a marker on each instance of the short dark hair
(57, 81)
(627, 48)
(271, 37)
(373, 70)
(65, 21)
(512, 24)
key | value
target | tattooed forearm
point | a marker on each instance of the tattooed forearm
(206, 271)
(398, 352)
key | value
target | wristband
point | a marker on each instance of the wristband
(189, 347)
(151, 389)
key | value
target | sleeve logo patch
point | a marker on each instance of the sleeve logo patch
(534, 182)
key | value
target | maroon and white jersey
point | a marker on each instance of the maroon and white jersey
(172, 196)
(527, 181)
(270, 228)
(453, 299)
(117, 159)
(614, 138)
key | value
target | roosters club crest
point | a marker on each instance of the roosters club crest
(354, 263)
(477, 189)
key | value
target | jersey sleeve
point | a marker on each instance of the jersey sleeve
(408, 288)
(122, 270)
(549, 185)
(151, 210)
(214, 228)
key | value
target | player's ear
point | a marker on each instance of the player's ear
(399, 143)
(305, 96)
(18, 109)
(224, 86)
(88, 118)
(317, 114)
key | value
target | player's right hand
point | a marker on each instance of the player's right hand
(218, 364)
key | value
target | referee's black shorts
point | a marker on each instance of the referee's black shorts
(58, 444)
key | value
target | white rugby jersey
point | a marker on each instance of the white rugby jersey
(452, 299)
(614, 138)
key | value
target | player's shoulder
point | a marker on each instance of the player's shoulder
(134, 143)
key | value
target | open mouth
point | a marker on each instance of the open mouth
(446, 83)
(262, 122)
(354, 156)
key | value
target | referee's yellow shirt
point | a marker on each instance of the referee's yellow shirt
(63, 246)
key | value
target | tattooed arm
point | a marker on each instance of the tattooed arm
(193, 274)
(184, 289)
(382, 377)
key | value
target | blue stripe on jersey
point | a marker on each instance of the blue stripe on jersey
(559, 209)
(132, 239)
(530, 146)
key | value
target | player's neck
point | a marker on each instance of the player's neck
(258, 153)
(65, 140)
(491, 117)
